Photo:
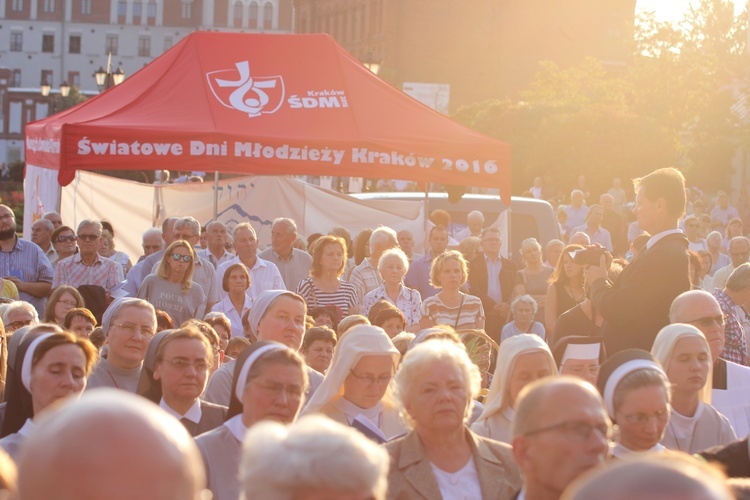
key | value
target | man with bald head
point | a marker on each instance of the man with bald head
(731, 381)
(560, 430)
(293, 264)
(41, 234)
(739, 252)
(54, 218)
(215, 250)
(474, 223)
(143, 268)
(110, 445)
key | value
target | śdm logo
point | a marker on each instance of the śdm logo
(237, 89)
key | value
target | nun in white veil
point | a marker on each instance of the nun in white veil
(521, 359)
(694, 424)
(357, 388)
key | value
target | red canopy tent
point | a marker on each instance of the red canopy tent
(264, 104)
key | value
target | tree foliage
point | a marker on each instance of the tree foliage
(674, 104)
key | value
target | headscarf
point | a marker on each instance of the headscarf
(114, 307)
(571, 346)
(20, 405)
(664, 345)
(361, 340)
(263, 302)
(498, 397)
(147, 386)
(245, 361)
(618, 367)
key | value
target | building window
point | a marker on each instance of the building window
(47, 77)
(137, 10)
(253, 18)
(74, 79)
(237, 14)
(167, 43)
(268, 16)
(187, 9)
(151, 10)
(122, 8)
(17, 6)
(49, 5)
(16, 79)
(16, 41)
(111, 45)
(48, 42)
(74, 44)
(144, 46)
(85, 7)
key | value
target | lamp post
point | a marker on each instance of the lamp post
(106, 79)
(46, 88)
(371, 62)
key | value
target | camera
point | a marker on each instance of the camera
(591, 256)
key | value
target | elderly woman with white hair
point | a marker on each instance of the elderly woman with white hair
(269, 383)
(524, 310)
(694, 424)
(356, 390)
(532, 279)
(392, 266)
(441, 457)
(312, 458)
(520, 360)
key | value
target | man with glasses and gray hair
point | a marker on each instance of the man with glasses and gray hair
(731, 381)
(560, 430)
(87, 267)
(23, 263)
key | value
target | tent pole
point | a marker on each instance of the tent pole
(216, 193)
(426, 214)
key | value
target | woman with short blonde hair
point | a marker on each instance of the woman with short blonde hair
(451, 306)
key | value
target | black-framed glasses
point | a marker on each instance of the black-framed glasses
(370, 380)
(63, 239)
(709, 321)
(574, 430)
(89, 237)
(177, 256)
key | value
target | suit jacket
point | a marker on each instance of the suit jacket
(212, 416)
(636, 306)
(478, 280)
(411, 476)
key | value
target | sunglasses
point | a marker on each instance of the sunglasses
(185, 258)
(63, 239)
(89, 237)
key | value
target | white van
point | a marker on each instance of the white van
(529, 217)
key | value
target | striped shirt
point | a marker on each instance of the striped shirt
(29, 260)
(345, 298)
(471, 312)
(365, 278)
(103, 272)
(264, 276)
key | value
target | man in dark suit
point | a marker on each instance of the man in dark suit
(491, 278)
(636, 305)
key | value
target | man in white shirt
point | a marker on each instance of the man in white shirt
(264, 275)
(576, 211)
(475, 223)
(216, 253)
(560, 431)
(739, 252)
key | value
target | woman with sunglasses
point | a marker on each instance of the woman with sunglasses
(171, 288)
(64, 240)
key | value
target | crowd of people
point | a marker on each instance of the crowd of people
(355, 368)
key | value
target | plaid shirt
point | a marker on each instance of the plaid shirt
(365, 278)
(735, 345)
(72, 271)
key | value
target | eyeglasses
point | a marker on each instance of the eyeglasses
(576, 431)
(89, 237)
(709, 321)
(63, 239)
(20, 324)
(7, 216)
(292, 392)
(177, 256)
(69, 303)
(644, 418)
(131, 328)
(370, 380)
(200, 365)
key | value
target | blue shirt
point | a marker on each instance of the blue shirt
(33, 265)
(418, 276)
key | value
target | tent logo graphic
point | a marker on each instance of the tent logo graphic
(237, 89)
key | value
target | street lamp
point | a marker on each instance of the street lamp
(46, 88)
(371, 62)
(106, 79)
